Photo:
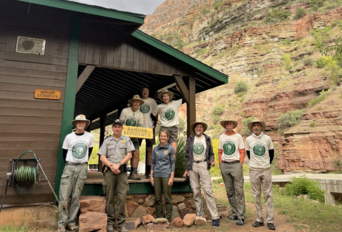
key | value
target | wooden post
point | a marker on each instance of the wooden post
(191, 105)
(103, 120)
(89, 127)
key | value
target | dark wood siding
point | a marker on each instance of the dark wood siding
(25, 122)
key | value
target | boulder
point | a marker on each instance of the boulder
(152, 226)
(189, 219)
(93, 221)
(191, 204)
(132, 223)
(131, 207)
(139, 212)
(199, 221)
(181, 206)
(148, 218)
(185, 212)
(224, 214)
(150, 210)
(150, 201)
(175, 212)
(177, 199)
(160, 221)
(140, 201)
(92, 204)
(177, 222)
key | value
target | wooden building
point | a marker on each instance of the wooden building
(97, 58)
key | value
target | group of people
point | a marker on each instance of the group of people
(118, 149)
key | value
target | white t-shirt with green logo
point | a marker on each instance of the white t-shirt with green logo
(78, 147)
(169, 113)
(199, 148)
(258, 147)
(230, 145)
(131, 118)
(149, 106)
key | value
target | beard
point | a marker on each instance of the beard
(198, 133)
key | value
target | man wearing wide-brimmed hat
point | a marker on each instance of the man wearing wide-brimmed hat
(260, 152)
(231, 156)
(168, 112)
(77, 148)
(131, 116)
(199, 157)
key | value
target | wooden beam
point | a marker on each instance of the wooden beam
(182, 87)
(191, 105)
(84, 76)
(89, 127)
(103, 120)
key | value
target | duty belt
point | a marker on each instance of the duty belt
(200, 161)
(70, 163)
(233, 162)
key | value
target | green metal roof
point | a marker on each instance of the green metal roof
(88, 9)
(180, 56)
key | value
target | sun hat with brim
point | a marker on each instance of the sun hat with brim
(224, 122)
(161, 94)
(205, 126)
(258, 121)
(80, 118)
(136, 98)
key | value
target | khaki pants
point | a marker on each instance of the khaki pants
(199, 173)
(161, 184)
(258, 178)
(72, 182)
(118, 183)
(233, 180)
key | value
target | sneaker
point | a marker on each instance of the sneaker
(123, 229)
(257, 224)
(240, 221)
(73, 228)
(216, 222)
(135, 176)
(233, 217)
(270, 226)
(61, 229)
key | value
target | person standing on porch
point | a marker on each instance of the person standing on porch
(169, 119)
(131, 116)
(260, 152)
(162, 174)
(199, 158)
(77, 148)
(149, 110)
(231, 156)
(114, 153)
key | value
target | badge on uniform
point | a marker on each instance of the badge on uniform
(123, 141)
(166, 152)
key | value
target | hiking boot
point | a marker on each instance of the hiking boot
(257, 224)
(73, 228)
(135, 176)
(123, 229)
(270, 226)
(216, 223)
(110, 228)
(240, 222)
(233, 217)
(61, 229)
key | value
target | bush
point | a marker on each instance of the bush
(316, 3)
(303, 185)
(289, 119)
(245, 130)
(323, 95)
(312, 124)
(277, 16)
(307, 61)
(180, 157)
(320, 63)
(218, 110)
(300, 13)
(240, 87)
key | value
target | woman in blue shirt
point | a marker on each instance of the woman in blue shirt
(162, 174)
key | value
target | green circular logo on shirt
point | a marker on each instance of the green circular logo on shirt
(229, 148)
(198, 148)
(169, 114)
(79, 151)
(259, 150)
(131, 122)
(145, 109)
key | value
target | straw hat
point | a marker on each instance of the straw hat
(192, 126)
(136, 98)
(224, 122)
(256, 120)
(80, 117)
(160, 95)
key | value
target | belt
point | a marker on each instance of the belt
(200, 161)
(70, 163)
(233, 162)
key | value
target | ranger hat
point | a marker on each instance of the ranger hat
(79, 118)
(136, 98)
(161, 94)
(224, 122)
(258, 121)
(117, 121)
(192, 126)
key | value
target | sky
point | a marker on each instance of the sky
(134, 6)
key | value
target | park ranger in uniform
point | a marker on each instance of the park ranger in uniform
(114, 153)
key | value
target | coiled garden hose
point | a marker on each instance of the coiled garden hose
(26, 174)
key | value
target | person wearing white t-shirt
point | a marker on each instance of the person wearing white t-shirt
(231, 156)
(260, 151)
(131, 116)
(77, 148)
(168, 113)
(149, 111)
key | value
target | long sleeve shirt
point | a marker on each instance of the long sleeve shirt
(163, 161)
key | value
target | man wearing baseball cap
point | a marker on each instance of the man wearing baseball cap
(260, 152)
(131, 116)
(77, 148)
(199, 157)
(231, 156)
(114, 153)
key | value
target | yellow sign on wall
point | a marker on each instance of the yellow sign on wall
(47, 94)
(137, 132)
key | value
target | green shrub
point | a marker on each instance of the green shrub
(320, 63)
(216, 118)
(307, 61)
(312, 124)
(317, 3)
(288, 61)
(180, 157)
(240, 87)
(289, 119)
(218, 110)
(287, 42)
(245, 130)
(300, 13)
(277, 16)
(303, 185)
(323, 95)
(217, 5)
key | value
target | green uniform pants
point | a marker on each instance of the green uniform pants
(118, 183)
(72, 182)
(161, 184)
